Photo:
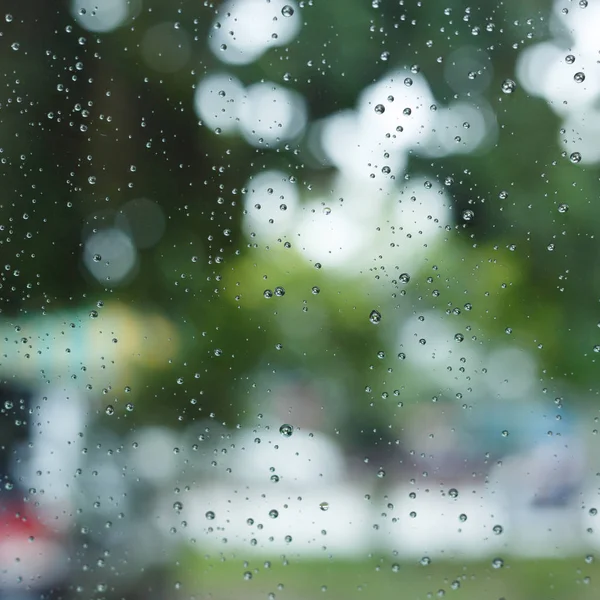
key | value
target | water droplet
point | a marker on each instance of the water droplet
(273, 513)
(315, 290)
(459, 337)
(395, 567)
(468, 215)
(497, 529)
(575, 157)
(286, 430)
(177, 506)
(210, 515)
(404, 278)
(462, 517)
(453, 493)
(380, 109)
(508, 86)
(247, 576)
(497, 563)
(385, 55)
(408, 82)
(563, 208)
(569, 59)
(268, 294)
(287, 11)
(375, 317)
(579, 77)
(324, 506)
(381, 473)
(279, 291)
(110, 410)
(425, 561)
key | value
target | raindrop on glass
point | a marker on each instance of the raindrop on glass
(286, 430)
(375, 317)
(508, 86)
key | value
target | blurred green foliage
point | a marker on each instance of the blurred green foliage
(142, 118)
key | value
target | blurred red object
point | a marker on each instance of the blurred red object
(32, 553)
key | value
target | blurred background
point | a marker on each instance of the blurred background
(299, 298)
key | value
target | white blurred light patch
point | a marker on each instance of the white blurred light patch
(166, 48)
(579, 23)
(271, 196)
(532, 63)
(245, 29)
(353, 152)
(270, 114)
(422, 211)
(543, 71)
(371, 223)
(511, 373)
(100, 16)
(110, 255)
(155, 459)
(218, 100)
(392, 117)
(462, 128)
(439, 350)
(410, 109)
(337, 237)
